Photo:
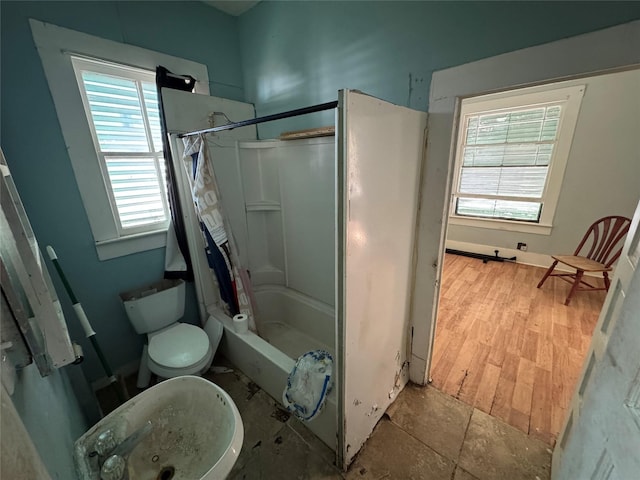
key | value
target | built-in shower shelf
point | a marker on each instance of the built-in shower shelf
(267, 274)
(263, 206)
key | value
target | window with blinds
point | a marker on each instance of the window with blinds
(506, 157)
(511, 153)
(121, 105)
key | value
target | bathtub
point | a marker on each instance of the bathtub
(290, 324)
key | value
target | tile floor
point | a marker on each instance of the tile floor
(425, 434)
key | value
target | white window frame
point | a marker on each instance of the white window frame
(572, 98)
(82, 64)
(56, 46)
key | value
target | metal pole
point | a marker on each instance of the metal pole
(267, 118)
(86, 326)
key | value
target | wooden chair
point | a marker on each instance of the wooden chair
(597, 251)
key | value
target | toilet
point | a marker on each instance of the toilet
(173, 348)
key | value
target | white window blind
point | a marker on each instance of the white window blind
(122, 109)
(511, 153)
(506, 157)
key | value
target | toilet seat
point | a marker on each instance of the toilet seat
(180, 349)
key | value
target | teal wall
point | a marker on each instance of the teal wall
(52, 414)
(57, 409)
(300, 53)
(34, 147)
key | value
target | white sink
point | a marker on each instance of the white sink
(196, 433)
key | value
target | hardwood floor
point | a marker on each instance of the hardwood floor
(508, 348)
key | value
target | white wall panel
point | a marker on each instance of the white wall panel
(259, 164)
(381, 156)
(261, 187)
(307, 182)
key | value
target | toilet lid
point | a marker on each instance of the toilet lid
(179, 346)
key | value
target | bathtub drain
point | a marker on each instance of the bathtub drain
(166, 473)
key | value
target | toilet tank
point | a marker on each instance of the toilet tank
(154, 306)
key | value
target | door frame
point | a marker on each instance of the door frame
(584, 55)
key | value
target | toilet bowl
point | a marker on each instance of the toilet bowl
(180, 349)
(173, 348)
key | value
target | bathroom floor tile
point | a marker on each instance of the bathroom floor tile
(435, 418)
(239, 387)
(391, 453)
(315, 444)
(425, 434)
(462, 474)
(275, 445)
(261, 417)
(284, 455)
(493, 450)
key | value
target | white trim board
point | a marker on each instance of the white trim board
(526, 258)
(500, 224)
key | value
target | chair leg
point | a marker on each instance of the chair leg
(607, 282)
(574, 288)
(548, 272)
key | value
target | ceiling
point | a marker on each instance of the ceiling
(232, 7)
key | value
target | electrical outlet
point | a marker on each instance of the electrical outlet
(522, 246)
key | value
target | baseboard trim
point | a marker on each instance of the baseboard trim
(527, 258)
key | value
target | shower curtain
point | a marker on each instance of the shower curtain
(178, 258)
(221, 250)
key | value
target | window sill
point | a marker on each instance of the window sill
(506, 225)
(119, 247)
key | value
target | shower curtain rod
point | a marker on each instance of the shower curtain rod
(267, 118)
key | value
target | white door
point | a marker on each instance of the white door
(380, 156)
(187, 112)
(601, 436)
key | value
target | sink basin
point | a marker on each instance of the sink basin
(196, 433)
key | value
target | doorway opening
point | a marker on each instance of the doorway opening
(502, 345)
